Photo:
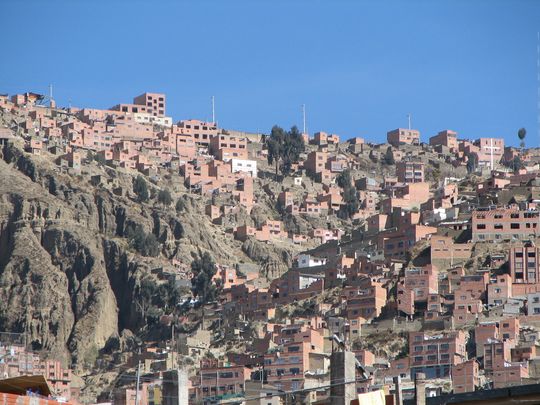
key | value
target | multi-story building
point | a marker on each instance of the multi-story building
(285, 368)
(490, 151)
(501, 224)
(465, 376)
(403, 136)
(225, 147)
(365, 301)
(244, 166)
(216, 381)
(524, 260)
(446, 252)
(497, 353)
(410, 172)
(446, 138)
(202, 131)
(533, 303)
(435, 355)
(499, 289)
(416, 286)
(155, 103)
(149, 103)
(316, 162)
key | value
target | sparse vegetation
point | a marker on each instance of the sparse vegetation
(140, 188)
(284, 148)
(164, 197)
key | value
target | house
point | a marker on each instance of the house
(201, 131)
(435, 354)
(490, 151)
(306, 260)
(499, 224)
(401, 136)
(524, 263)
(447, 138)
(150, 103)
(444, 251)
(465, 376)
(215, 380)
(499, 289)
(244, 166)
(316, 162)
(416, 287)
(410, 172)
(225, 147)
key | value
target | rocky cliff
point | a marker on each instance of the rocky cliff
(68, 276)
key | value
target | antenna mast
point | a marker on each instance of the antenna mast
(538, 78)
(213, 111)
(409, 117)
(51, 102)
(304, 117)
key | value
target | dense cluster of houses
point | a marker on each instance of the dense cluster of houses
(446, 266)
(17, 361)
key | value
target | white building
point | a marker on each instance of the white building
(305, 260)
(533, 304)
(144, 118)
(244, 165)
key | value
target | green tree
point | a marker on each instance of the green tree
(284, 148)
(389, 156)
(140, 188)
(517, 163)
(100, 158)
(164, 197)
(180, 205)
(522, 133)
(472, 161)
(144, 243)
(203, 269)
(350, 194)
(344, 179)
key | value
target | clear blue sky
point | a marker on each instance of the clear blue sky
(359, 67)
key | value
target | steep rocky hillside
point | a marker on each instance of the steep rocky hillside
(69, 277)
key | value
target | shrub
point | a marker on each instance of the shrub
(164, 197)
(140, 188)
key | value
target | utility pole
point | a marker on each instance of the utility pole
(409, 118)
(213, 110)
(538, 78)
(172, 346)
(50, 95)
(138, 379)
(304, 118)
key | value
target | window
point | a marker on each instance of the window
(481, 226)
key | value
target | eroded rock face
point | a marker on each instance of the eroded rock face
(68, 278)
(53, 280)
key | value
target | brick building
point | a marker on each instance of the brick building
(501, 224)
(403, 136)
(410, 172)
(435, 355)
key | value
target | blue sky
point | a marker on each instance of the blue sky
(359, 67)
